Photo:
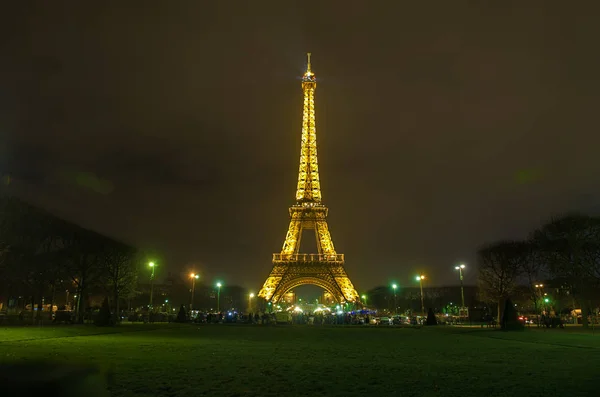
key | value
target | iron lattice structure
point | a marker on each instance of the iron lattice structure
(325, 268)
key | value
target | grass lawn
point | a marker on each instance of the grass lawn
(236, 360)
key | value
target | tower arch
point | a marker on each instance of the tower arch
(319, 282)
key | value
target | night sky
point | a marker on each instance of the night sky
(176, 127)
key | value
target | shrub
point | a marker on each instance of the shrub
(431, 320)
(182, 315)
(104, 319)
(510, 319)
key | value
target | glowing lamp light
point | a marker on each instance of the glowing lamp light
(151, 264)
(251, 294)
(219, 285)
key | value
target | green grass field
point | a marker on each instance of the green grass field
(236, 360)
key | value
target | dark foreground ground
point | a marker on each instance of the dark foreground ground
(221, 360)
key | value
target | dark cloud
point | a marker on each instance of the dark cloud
(178, 127)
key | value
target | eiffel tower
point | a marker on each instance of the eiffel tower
(325, 268)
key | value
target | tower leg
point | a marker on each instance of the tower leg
(291, 245)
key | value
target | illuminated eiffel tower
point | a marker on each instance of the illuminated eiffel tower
(325, 268)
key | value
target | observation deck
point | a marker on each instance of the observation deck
(308, 258)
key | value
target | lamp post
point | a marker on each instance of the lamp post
(194, 278)
(420, 279)
(152, 266)
(364, 298)
(462, 291)
(67, 300)
(394, 286)
(250, 296)
(538, 287)
(219, 285)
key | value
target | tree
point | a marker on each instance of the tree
(532, 267)
(119, 271)
(499, 267)
(571, 247)
(38, 250)
(32, 244)
(84, 253)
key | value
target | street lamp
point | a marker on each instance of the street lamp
(250, 296)
(462, 291)
(420, 279)
(538, 290)
(364, 298)
(394, 286)
(194, 277)
(152, 266)
(219, 285)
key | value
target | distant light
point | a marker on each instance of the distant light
(251, 294)
(219, 285)
(394, 286)
(151, 264)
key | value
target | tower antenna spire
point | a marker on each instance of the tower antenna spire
(308, 63)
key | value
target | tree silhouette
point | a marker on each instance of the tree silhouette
(38, 251)
(499, 267)
(119, 266)
(571, 247)
(533, 269)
